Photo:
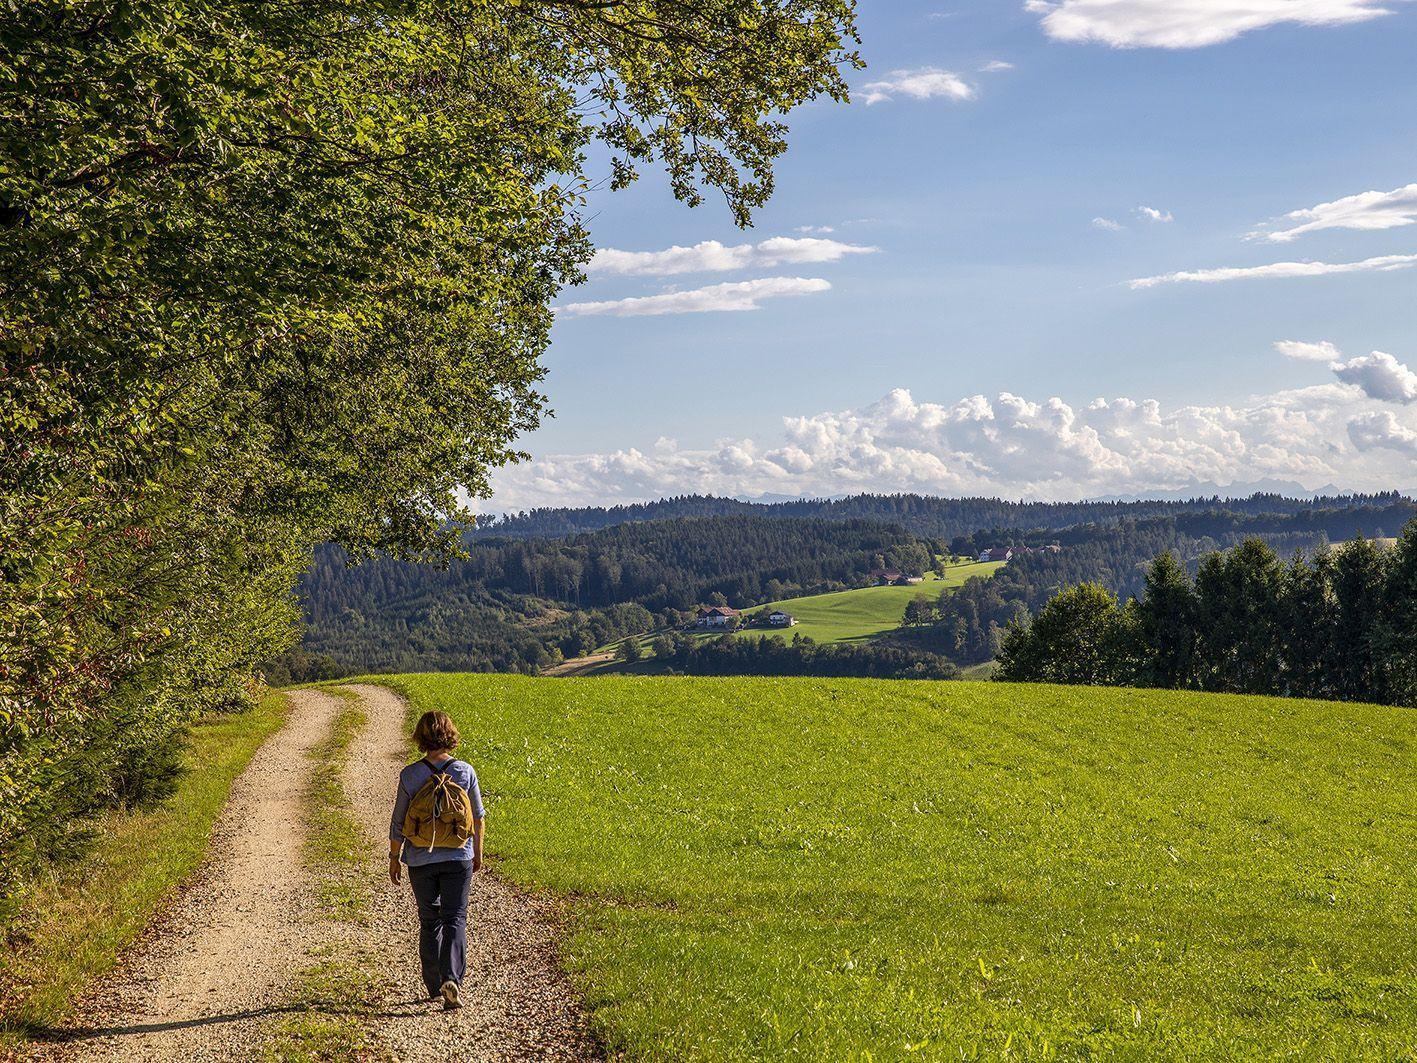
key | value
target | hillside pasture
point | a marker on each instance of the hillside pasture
(856, 869)
(864, 613)
(857, 615)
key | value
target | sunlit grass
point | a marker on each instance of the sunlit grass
(846, 616)
(329, 1021)
(335, 843)
(857, 615)
(854, 869)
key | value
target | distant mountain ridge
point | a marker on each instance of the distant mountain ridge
(1205, 489)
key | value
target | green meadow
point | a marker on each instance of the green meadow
(857, 615)
(868, 870)
(848, 616)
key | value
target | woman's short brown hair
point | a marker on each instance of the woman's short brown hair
(436, 731)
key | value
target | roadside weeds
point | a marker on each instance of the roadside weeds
(79, 922)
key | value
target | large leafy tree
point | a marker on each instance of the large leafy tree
(276, 273)
(1080, 636)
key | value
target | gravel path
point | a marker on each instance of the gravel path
(218, 964)
(220, 967)
(518, 1004)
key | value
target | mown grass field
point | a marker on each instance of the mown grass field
(865, 613)
(857, 869)
(844, 616)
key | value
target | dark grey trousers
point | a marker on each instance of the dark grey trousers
(441, 890)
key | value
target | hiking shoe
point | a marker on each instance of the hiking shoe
(450, 996)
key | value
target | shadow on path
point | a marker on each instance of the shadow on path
(411, 1008)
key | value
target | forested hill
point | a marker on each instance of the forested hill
(521, 604)
(920, 514)
(665, 564)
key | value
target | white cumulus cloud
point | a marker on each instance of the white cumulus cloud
(1300, 351)
(1153, 214)
(1107, 225)
(995, 66)
(1189, 23)
(736, 296)
(923, 84)
(710, 256)
(1381, 376)
(1006, 444)
(1381, 430)
(1367, 212)
(1382, 263)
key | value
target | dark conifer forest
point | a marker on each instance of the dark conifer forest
(924, 515)
(1340, 625)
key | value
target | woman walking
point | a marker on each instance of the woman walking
(437, 829)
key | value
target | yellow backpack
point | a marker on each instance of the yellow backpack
(440, 814)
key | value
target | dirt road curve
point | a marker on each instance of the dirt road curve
(218, 972)
(577, 665)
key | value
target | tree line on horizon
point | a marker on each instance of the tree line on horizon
(1338, 624)
(968, 625)
(773, 655)
(927, 515)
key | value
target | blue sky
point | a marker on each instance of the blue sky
(964, 352)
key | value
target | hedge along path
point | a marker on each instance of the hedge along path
(219, 963)
(517, 1001)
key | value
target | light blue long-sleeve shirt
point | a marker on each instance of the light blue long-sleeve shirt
(411, 780)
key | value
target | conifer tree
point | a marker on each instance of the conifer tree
(1166, 626)
(1310, 622)
(1360, 575)
(1396, 635)
(1241, 634)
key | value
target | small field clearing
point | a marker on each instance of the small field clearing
(865, 613)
